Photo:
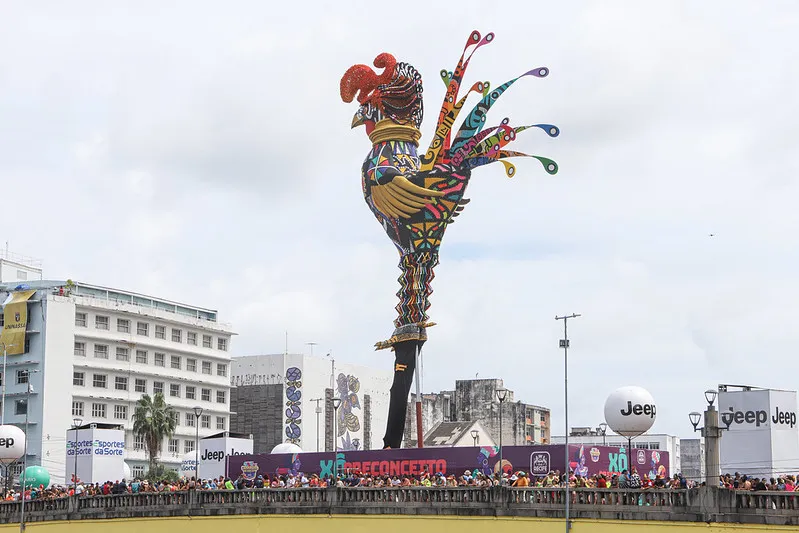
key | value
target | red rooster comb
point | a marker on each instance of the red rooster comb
(362, 78)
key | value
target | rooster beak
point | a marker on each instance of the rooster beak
(357, 121)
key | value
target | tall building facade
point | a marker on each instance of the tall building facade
(91, 352)
(476, 400)
(288, 398)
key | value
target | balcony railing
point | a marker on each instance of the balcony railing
(695, 505)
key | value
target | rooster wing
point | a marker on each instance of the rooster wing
(400, 198)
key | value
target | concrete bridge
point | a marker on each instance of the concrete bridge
(541, 509)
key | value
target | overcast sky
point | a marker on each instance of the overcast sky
(199, 151)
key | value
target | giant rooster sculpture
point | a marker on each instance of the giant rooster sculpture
(416, 197)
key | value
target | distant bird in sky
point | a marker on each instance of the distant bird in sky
(711, 235)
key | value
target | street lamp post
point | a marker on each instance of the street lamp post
(712, 433)
(25, 452)
(198, 411)
(564, 343)
(502, 394)
(336, 404)
(76, 423)
(475, 433)
(318, 412)
(602, 429)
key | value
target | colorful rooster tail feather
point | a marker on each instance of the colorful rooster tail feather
(452, 105)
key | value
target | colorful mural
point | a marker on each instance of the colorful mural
(293, 406)
(349, 423)
(536, 460)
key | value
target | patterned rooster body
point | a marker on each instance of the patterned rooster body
(415, 197)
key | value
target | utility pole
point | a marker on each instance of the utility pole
(318, 412)
(564, 343)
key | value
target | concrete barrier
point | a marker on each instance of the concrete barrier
(695, 505)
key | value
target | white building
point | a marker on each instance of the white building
(653, 441)
(285, 397)
(762, 439)
(15, 267)
(95, 351)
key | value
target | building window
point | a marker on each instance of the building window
(80, 349)
(77, 408)
(190, 420)
(158, 387)
(123, 354)
(191, 338)
(221, 344)
(143, 329)
(100, 381)
(22, 377)
(220, 396)
(101, 322)
(141, 356)
(20, 407)
(101, 351)
(98, 410)
(78, 379)
(22, 275)
(206, 367)
(140, 385)
(207, 341)
(205, 395)
(80, 320)
(177, 335)
(138, 442)
(220, 423)
(160, 332)
(174, 390)
(191, 365)
(205, 421)
(190, 392)
(176, 418)
(123, 325)
(174, 362)
(137, 472)
(120, 383)
(173, 446)
(188, 446)
(159, 359)
(221, 370)
(121, 412)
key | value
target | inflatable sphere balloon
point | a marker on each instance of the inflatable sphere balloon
(286, 447)
(630, 411)
(35, 476)
(12, 444)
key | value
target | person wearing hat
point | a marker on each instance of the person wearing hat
(521, 480)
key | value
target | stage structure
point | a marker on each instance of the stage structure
(416, 197)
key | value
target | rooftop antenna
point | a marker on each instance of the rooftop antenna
(287, 342)
(311, 344)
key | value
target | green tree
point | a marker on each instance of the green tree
(153, 421)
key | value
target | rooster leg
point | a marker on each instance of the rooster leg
(404, 366)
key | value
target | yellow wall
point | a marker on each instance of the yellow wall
(375, 524)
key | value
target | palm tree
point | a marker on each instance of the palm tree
(153, 420)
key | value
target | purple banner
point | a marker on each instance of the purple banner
(536, 460)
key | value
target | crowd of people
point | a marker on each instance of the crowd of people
(353, 479)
